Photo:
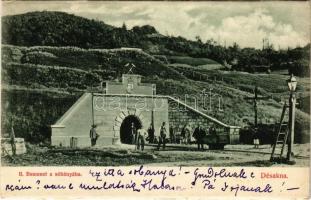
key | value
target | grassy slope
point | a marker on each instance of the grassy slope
(190, 60)
(235, 86)
(107, 64)
(112, 60)
(36, 80)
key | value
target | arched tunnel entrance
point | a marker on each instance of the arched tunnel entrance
(126, 128)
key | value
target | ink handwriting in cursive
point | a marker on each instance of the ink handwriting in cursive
(141, 178)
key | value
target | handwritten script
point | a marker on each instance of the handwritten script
(140, 179)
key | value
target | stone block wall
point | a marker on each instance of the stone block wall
(109, 112)
(179, 115)
(6, 147)
(76, 123)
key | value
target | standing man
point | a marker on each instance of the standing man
(151, 134)
(212, 130)
(196, 135)
(93, 135)
(141, 136)
(188, 133)
(201, 138)
(134, 134)
(162, 136)
(199, 134)
(256, 138)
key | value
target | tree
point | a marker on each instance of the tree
(198, 39)
(124, 26)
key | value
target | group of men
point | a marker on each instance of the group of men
(161, 140)
(199, 134)
(139, 137)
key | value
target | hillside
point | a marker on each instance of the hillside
(104, 63)
(40, 83)
(53, 28)
(61, 29)
(36, 80)
(49, 28)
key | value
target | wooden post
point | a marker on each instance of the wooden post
(292, 105)
(255, 99)
(152, 118)
(12, 140)
(92, 108)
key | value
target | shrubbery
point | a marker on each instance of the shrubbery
(299, 68)
(113, 60)
(28, 74)
(32, 112)
(191, 61)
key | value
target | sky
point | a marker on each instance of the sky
(284, 24)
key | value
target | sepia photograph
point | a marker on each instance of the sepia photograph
(170, 84)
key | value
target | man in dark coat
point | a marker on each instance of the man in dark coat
(141, 139)
(256, 138)
(198, 135)
(150, 134)
(201, 138)
(133, 134)
(212, 130)
(93, 135)
(172, 135)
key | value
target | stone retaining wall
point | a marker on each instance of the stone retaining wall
(180, 115)
(6, 147)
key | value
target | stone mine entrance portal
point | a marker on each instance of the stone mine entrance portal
(118, 105)
(126, 129)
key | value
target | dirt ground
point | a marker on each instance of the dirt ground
(236, 155)
(173, 155)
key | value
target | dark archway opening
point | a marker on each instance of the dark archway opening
(126, 128)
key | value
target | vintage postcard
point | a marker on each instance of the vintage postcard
(155, 99)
